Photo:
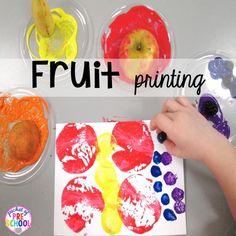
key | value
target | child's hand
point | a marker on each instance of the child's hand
(189, 134)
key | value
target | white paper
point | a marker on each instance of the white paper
(162, 227)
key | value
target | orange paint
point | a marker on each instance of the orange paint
(12, 111)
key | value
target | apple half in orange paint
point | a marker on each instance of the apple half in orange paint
(137, 51)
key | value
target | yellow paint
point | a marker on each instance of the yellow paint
(107, 180)
(62, 44)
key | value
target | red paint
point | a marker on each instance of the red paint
(136, 141)
(140, 208)
(138, 17)
(78, 143)
(78, 191)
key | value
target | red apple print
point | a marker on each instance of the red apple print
(76, 147)
(140, 209)
(136, 141)
(80, 202)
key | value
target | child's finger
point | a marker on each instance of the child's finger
(183, 101)
(157, 128)
(161, 122)
(171, 106)
(171, 147)
(186, 103)
(171, 115)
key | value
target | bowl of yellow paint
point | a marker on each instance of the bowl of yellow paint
(59, 30)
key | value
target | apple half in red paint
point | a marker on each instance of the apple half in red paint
(137, 51)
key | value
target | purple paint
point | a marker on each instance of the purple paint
(218, 121)
(223, 128)
(220, 68)
(177, 194)
(179, 207)
(166, 158)
(170, 178)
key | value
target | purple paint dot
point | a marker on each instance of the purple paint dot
(166, 158)
(177, 194)
(179, 207)
(170, 178)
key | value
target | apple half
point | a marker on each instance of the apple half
(137, 52)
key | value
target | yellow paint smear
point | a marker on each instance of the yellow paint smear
(107, 180)
(62, 44)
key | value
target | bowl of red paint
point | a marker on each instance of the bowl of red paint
(138, 40)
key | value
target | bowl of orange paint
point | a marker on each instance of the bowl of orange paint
(25, 135)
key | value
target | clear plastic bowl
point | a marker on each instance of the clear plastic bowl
(199, 65)
(105, 31)
(85, 38)
(27, 173)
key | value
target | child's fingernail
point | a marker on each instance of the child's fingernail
(161, 137)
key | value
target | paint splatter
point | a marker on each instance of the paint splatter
(79, 203)
(140, 209)
(169, 215)
(166, 158)
(107, 180)
(62, 44)
(179, 207)
(165, 199)
(137, 144)
(170, 178)
(76, 147)
(177, 194)
(158, 186)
